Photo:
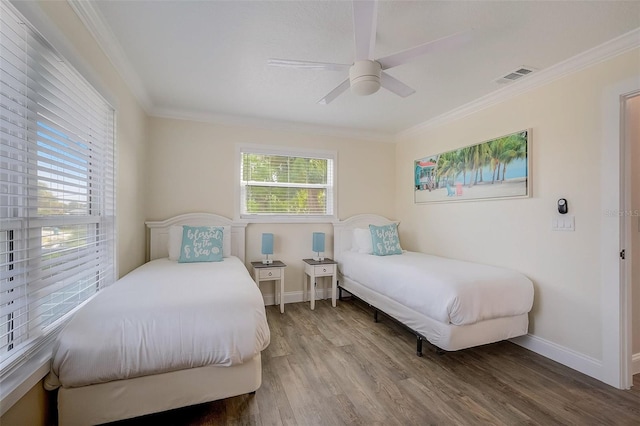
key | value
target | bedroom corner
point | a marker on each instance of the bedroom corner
(566, 318)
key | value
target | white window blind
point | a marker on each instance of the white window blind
(57, 212)
(277, 183)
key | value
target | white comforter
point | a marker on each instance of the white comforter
(447, 290)
(161, 317)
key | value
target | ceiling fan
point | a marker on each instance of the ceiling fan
(366, 74)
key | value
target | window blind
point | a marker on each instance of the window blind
(276, 183)
(57, 199)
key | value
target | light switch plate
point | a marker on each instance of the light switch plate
(563, 222)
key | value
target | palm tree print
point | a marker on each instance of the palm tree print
(485, 164)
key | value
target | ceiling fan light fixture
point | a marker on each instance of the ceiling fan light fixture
(364, 77)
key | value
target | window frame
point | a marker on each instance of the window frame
(289, 152)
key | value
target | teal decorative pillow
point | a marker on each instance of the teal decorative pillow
(201, 244)
(385, 239)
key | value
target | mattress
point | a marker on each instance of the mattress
(446, 290)
(448, 337)
(164, 316)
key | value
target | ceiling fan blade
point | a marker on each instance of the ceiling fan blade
(365, 17)
(335, 92)
(307, 65)
(394, 85)
(431, 46)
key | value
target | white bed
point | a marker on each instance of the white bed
(452, 304)
(193, 333)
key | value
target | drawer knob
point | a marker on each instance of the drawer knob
(324, 269)
(270, 274)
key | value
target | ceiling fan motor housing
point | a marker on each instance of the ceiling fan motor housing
(364, 77)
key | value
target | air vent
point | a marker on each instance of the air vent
(515, 75)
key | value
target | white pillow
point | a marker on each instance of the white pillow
(361, 241)
(175, 241)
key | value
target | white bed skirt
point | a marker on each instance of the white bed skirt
(445, 336)
(123, 399)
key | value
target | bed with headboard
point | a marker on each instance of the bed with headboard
(450, 303)
(167, 335)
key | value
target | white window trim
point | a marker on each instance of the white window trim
(287, 151)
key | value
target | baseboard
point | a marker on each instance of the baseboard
(635, 363)
(565, 356)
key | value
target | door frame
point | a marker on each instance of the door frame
(615, 273)
(627, 229)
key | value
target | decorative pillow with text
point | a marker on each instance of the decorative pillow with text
(175, 241)
(385, 239)
(201, 244)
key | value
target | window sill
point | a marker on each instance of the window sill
(287, 219)
(24, 377)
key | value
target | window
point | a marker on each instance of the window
(285, 184)
(57, 212)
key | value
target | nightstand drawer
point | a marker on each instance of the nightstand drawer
(269, 273)
(321, 270)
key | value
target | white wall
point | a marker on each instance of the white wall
(566, 118)
(192, 167)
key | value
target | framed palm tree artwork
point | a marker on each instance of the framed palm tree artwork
(495, 169)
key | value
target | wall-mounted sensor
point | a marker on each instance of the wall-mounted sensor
(563, 206)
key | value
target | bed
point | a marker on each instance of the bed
(164, 336)
(450, 303)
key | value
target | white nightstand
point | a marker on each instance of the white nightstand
(271, 272)
(320, 268)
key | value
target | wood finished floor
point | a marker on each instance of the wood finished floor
(335, 366)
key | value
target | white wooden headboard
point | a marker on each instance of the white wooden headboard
(343, 231)
(159, 230)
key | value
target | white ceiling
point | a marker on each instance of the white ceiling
(209, 58)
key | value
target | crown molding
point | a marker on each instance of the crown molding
(269, 124)
(102, 33)
(601, 53)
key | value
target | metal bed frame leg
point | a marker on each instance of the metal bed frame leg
(419, 338)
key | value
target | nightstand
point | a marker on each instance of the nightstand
(320, 268)
(271, 272)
